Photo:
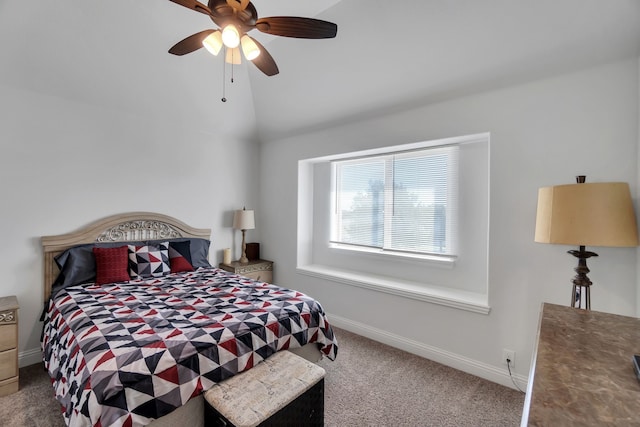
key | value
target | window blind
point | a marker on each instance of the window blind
(403, 202)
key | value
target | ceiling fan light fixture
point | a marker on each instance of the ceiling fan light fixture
(230, 36)
(234, 18)
(233, 56)
(249, 48)
(213, 42)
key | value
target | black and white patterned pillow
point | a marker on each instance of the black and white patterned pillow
(149, 260)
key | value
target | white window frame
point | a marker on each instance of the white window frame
(437, 279)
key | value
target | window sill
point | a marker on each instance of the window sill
(455, 298)
(442, 261)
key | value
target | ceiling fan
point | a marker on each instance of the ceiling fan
(235, 18)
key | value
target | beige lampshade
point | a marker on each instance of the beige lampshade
(243, 220)
(593, 214)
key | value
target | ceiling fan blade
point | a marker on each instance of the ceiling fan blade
(292, 26)
(238, 4)
(193, 5)
(190, 44)
(265, 61)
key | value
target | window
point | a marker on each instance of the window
(400, 202)
(410, 220)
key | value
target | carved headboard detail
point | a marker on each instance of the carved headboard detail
(126, 227)
(139, 230)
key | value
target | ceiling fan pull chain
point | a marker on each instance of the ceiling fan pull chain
(232, 61)
(224, 80)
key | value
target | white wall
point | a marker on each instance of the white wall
(542, 133)
(64, 164)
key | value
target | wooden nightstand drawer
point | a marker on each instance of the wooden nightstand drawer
(9, 386)
(260, 269)
(8, 366)
(8, 345)
(261, 276)
(8, 337)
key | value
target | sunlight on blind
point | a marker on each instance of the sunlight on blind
(361, 202)
(404, 202)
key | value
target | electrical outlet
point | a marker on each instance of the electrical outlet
(511, 355)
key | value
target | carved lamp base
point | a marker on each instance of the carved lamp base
(581, 283)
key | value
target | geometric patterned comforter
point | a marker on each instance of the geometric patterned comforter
(126, 353)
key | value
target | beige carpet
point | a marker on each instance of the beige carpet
(369, 384)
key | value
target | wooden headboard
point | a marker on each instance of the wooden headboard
(125, 227)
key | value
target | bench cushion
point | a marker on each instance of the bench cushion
(253, 396)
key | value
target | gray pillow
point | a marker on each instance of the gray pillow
(78, 265)
(199, 249)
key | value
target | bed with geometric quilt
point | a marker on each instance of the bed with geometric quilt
(128, 352)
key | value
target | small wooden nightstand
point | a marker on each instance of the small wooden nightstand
(8, 345)
(260, 269)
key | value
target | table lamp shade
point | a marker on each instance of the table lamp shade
(243, 220)
(593, 214)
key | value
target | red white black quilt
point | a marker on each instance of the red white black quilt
(123, 354)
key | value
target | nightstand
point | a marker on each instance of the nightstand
(260, 269)
(8, 345)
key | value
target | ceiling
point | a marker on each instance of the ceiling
(387, 56)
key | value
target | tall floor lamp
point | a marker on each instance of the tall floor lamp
(594, 214)
(244, 220)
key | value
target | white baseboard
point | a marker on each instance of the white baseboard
(496, 374)
(29, 357)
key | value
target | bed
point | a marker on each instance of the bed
(139, 350)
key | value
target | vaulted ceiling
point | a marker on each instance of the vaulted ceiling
(387, 56)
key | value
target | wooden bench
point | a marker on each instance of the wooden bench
(283, 390)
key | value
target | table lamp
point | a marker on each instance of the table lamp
(243, 220)
(594, 214)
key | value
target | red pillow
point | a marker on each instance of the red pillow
(112, 264)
